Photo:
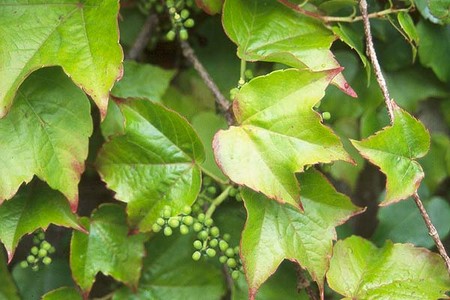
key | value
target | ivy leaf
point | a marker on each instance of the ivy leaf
(440, 9)
(210, 7)
(396, 271)
(67, 34)
(154, 164)
(67, 293)
(8, 289)
(108, 248)
(394, 150)
(290, 38)
(170, 273)
(35, 206)
(274, 231)
(278, 133)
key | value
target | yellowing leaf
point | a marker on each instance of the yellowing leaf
(80, 36)
(274, 231)
(359, 270)
(394, 150)
(278, 133)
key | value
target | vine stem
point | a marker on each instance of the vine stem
(143, 37)
(432, 231)
(217, 201)
(390, 104)
(222, 102)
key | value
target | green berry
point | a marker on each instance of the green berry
(238, 198)
(187, 210)
(184, 35)
(189, 23)
(188, 220)
(198, 244)
(173, 222)
(213, 243)
(34, 250)
(47, 260)
(231, 262)
(214, 231)
(46, 245)
(35, 268)
(31, 259)
(201, 217)
(36, 240)
(41, 235)
(209, 222)
(235, 274)
(227, 237)
(203, 235)
(223, 259)
(326, 115)
(42, 253)
(170, 36)
(233, 192)
(233, 93)
(184, 14)
(160, 221)
(196, 256)
(223, 245)
(248, 74)
(184, 229)
(23, 264)
(156, 228)
(212, 190)
(197, 226)
(210, 252)
(236, 249)
(170, 3)
(167, 212)
(229, 252)
(51, 250)
(167, 231)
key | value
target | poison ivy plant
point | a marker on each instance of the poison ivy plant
(45, 134)
(398, 271)
(275, 115)
(62, 293)
(8, 289)
(65, 34)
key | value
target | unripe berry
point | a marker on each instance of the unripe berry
(188, 220)
(167, 212)
(23, 264)
(203, 235)
(47, 260)
(213, 243)
(189, 23)
(238, 197)
(187, 210)
(160, 221)
(198, 244)
(184, 229)
(35, 268)
(196, 256)
(167, 231)
(156, 228)
(233, 192)
(214, 231)
(209, 222)
(223, 245)
(173, 222)
(51, 250)
(227, 237)
(170, 36)
(231, 262)
(211, 190)
(42, 253)
(41, 235)
(326, 115)
(201, 217)
(233, 93)
(46, 245)
(210, 252)
(31, 259)
(34, 250)
(184, 35)
(184, 14)
(235, 274)
(229, 252)
(223, 259)
(236, 250)
(197, 226)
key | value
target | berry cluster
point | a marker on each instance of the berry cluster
(39, 252)
(179, 17)
(167, 223)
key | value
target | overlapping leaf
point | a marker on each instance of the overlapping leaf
(281, 35)
(36, 206)
(8, 289)
(66, 293)
(394, 150)
(46, 133)
(274, 231)
(154, 164)
(211, 7)
(170, 273)
(359, 270)
(108, 248)
(278, 133)
(66, 33)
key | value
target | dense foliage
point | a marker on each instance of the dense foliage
(243, 149)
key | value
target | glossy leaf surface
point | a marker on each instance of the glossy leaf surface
(274, 231)
(8, 289)
(45, 134)
(394, 150)
(211, 7)
(278, 133)
(108, 248)
(154, 164)
(66, 293)
(67, 34)
(359, 270)
(35, 206)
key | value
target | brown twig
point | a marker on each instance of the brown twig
(390, 104)
(432, 231)
(304, 284)
(143, 37)
(222, 102)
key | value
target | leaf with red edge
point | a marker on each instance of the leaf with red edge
(278, 134)
(275, 231)
(394, 150)
(266, 30)
(210, 7)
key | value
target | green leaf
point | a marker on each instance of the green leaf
(394, 150)
(278, 133)
(434, 48)
(274, 231)
(142, 81)
(66, 293)
(33, 284)
(402, 222)
(170, 273)
(359, 270)
(211, 7)
(407, 24)
(35, 206)
(154, 164)
(435, 163)
(440, 9)
(82, 37)
(281, 29)
(46, 133)
(8, 290)
(108, 248)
